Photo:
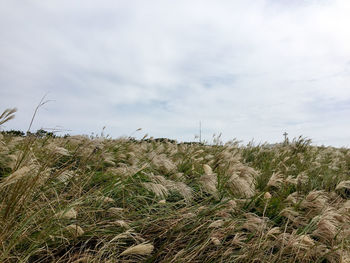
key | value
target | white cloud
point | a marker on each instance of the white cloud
(248, 70)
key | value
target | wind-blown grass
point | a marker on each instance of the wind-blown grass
(78, 199)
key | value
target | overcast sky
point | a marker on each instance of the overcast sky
(246, 69)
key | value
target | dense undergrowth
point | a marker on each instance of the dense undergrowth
(78, 199)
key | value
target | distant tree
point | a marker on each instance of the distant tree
(13, 132)
(42, 133)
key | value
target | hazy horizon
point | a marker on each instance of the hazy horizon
(250, 71)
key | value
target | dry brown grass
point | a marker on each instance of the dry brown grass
(81, 199)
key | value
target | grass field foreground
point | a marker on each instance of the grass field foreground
(81, 199)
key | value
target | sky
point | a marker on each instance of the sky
(250, 70)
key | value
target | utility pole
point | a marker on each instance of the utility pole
(200, 132)
(285, 134)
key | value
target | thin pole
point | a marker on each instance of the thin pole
(200, 132)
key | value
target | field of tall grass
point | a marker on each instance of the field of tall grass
(82, 199)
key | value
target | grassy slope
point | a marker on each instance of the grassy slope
(99, 200)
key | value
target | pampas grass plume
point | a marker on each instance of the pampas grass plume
(69, 214)
(207, 169)
(143, 249)
(267, 196)
(216, 224)
(75, 230)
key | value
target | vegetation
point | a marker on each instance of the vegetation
(80, 199)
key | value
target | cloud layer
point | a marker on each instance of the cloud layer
(248, 70)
